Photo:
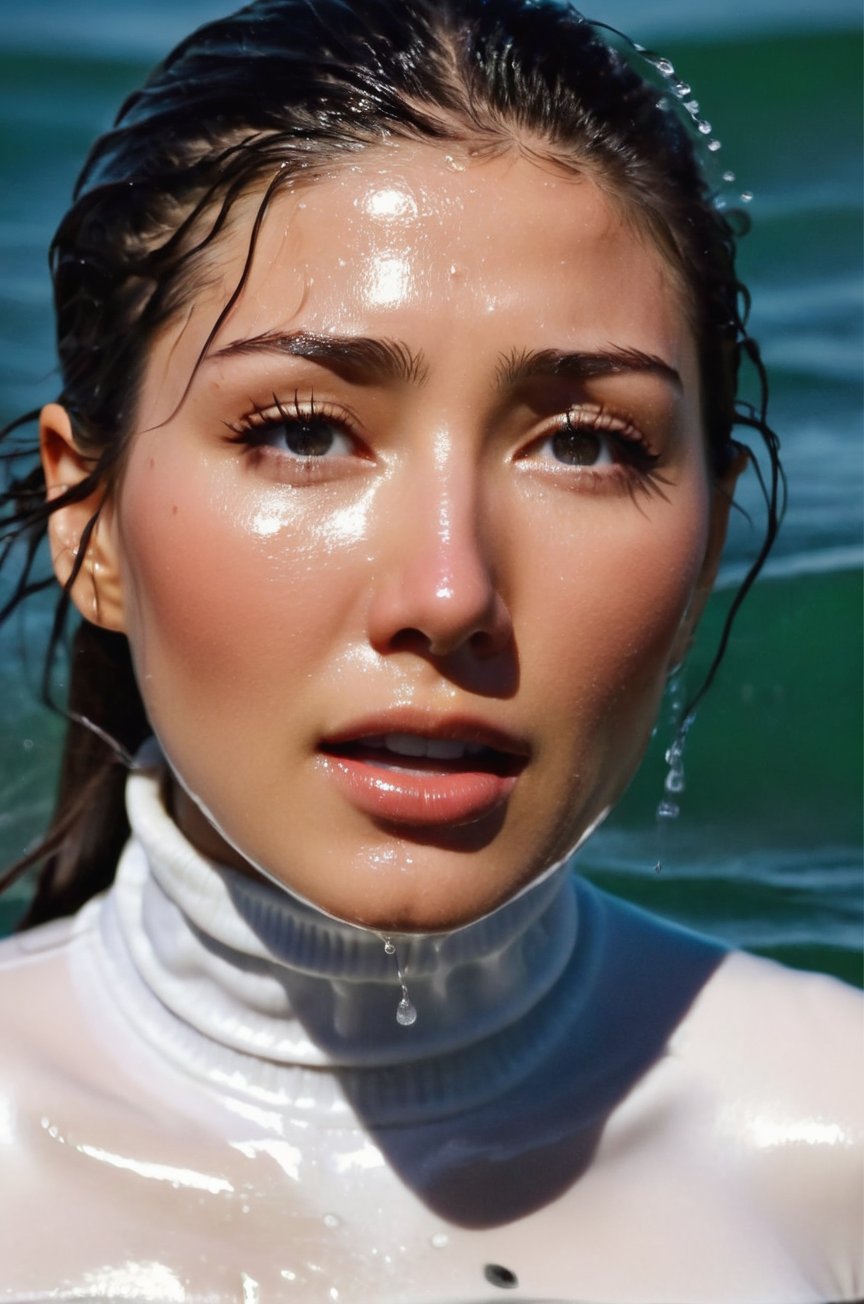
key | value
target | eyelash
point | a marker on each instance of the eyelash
(254, 429)
(634, 466)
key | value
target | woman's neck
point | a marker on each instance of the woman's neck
(257, 973)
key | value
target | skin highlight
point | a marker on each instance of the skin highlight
(439, 561)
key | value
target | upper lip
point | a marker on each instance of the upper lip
(457, 728)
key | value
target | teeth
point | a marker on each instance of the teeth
(445, 749)
(405, 744)
(438, 749)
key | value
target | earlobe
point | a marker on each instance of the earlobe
(83, 522)
(721, 503)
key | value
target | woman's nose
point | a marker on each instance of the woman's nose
(438, 586)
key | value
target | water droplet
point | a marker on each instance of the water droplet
(668, 810)
(439, 1240)
(405, 1013)
(455, 164)
(704, 128)
(692, 107)
(714, 145)
(682, 89)
(664, 66)
(746, 196)
(332, 1220)
(675, 780)
(658, 868)
(728, 176)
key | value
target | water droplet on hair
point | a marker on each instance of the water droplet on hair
(746, 196)
(682, 89)
(728, 176)
(439, 1240)
(714, 145)
(405, 1013)
(704, 128)
(692, 107)
(664, 66)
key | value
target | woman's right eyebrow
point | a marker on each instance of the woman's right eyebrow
(358, 358)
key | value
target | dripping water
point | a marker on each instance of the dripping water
(668, 808)
(406, 1014)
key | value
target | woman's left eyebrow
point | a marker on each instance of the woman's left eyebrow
(359, 358)
(613, 361)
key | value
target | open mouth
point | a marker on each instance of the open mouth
(427, 781)
(423, 755)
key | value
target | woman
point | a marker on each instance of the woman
(390, 475)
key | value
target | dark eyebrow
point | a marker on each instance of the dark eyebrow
(582, 366)
(358, 358)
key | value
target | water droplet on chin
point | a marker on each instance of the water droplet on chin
(389, 948)
(405, 1013)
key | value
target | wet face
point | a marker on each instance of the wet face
(405, 571)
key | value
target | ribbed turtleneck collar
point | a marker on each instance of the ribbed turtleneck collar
(256, 984)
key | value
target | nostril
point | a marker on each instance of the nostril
(411, 640)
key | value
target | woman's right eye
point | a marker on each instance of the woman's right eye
(304, 437)
(300, 432)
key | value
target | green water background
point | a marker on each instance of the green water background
(767, 851)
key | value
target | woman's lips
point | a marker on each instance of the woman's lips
(449, 777)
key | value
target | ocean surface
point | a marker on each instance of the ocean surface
(767, 850)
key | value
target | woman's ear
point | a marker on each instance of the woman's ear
(97, 589)
(721, 503)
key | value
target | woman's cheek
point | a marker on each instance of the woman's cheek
(221, 587)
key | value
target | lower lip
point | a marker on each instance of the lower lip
(420, 798)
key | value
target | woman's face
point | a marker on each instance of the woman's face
(405, 570)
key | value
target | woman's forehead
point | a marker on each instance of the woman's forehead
(417, 242)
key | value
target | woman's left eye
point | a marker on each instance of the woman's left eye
(576, 446)
(594, 441)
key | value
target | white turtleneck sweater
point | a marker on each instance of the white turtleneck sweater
(205, 1097)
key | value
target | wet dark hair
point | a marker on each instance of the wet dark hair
(272, 97)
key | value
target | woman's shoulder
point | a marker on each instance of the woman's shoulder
(762, 1028)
